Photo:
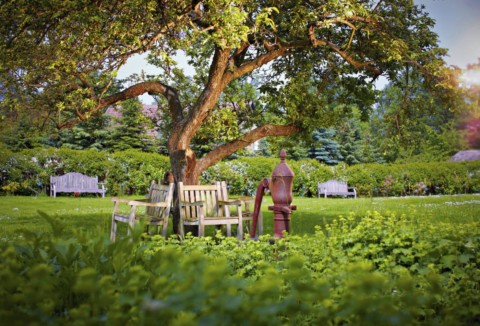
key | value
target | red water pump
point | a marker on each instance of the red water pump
(280, 186)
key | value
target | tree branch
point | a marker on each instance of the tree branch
(249, 138)
(209, 97)
(151, 87)
(256, 63)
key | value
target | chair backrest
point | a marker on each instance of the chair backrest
(160, 193)
(208, 194)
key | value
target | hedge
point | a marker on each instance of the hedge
(28, 172)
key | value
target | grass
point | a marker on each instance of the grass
(93, 213)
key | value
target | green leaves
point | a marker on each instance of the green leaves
(381, 269)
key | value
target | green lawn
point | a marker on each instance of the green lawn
(93, 213)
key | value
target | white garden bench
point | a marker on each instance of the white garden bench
(77, 183)
(336, 188)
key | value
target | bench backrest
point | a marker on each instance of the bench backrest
(208, 194)
(74, 180)
(333, 186)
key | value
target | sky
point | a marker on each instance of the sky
(457, 25)
(458, 28)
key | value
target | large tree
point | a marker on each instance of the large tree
(412, 122)
(62, 56)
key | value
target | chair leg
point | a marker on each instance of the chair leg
(240, 230)
(260, 223)
(181, 228)
(113, 230)
(165, 227)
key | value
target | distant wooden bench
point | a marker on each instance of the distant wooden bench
(335, 188)
(76, 182)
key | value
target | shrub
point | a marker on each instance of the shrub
(384, 270)
(131, 171)
(29, 171)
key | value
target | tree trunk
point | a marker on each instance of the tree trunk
(183, 164)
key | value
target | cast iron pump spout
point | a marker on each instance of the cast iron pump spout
(280, 186)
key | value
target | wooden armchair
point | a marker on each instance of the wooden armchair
(155, 209)
(203, 205)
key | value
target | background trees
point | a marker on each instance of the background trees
(60, 58)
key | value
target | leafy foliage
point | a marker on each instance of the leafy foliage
(382, 269)
(412, 122)
(130, 171)
(28, 172)
(60, 59)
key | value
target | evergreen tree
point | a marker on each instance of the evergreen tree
(349, 137)
(132, 129)
(90, 134)
(324, 148)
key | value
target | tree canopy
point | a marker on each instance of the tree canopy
(60, 58)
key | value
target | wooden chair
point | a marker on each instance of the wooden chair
(247, 211)
(202, 205)
(156, 209)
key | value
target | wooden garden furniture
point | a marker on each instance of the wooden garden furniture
(335, 188)
(77, 183)
(247, 210)
(154, 209)
(202, 205)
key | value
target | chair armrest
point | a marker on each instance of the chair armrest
(196, 203)
(230, 202)
(147, 204)
(120, 200)
(247, 199)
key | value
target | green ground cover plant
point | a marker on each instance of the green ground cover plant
(409, 263)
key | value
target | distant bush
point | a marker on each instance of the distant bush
(439, 178)
(245, 174)
(28, 172)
